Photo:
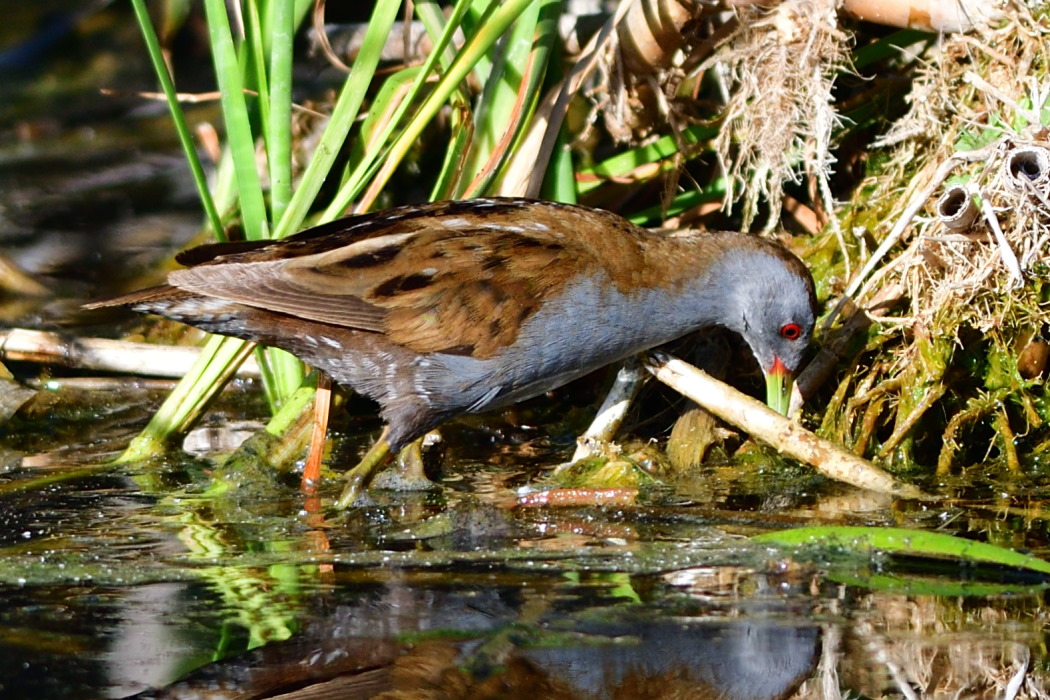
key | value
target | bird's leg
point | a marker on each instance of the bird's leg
(360, 475)
(322, 406)
(410, 462)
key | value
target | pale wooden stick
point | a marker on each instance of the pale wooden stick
(145, 359)
(1006, 253)
(613, 409)
(934, 15)
(760, 422)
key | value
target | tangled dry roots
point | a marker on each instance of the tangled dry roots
(969, 350)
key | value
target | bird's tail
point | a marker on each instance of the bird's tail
(161, 294)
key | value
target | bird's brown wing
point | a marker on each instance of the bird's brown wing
(360, 227)
(458, 282)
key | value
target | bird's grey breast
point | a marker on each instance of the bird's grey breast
(590, 324)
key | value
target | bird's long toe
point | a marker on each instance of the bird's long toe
(359, 477)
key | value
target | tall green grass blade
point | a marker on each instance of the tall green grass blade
(680, 204)
(224, 188)
(178, 117)
(220, 357)
(279, 143)
(477, 13)
(507, 107)
(342, 119)
(282, 372)
(286, 375)
(560, 183)
(439, 30)
(218, 360)
(237, 180)
(475, 48)
(499, 93)
(452, 170)
(298, 402)
(623, 164)
(386, 108)
(435, 24)
(239, 137)
(253, 58)
(376, 146)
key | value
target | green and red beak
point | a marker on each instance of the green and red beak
(779, 381)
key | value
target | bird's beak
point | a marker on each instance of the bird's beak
(778, 387)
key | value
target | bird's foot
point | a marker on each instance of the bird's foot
(597, 439)
(397, 480)
(408, 475)
(355, 481)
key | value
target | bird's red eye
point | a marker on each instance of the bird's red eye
(791, 331)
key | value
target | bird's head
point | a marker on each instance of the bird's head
(770, 301)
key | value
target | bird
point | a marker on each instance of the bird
(441, 309)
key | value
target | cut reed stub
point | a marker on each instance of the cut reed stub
(957, 209)
(930, 15)
(1028, 170)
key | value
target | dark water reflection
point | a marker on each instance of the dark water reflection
(468, 641)
(463, 630)
(109, 588)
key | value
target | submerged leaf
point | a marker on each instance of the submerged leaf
(916, 543)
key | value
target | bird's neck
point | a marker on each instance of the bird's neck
(701, 279)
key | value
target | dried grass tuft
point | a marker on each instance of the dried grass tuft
(780, 118)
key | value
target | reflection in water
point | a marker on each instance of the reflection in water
(503, 642)
(745, 660)
(147, 650)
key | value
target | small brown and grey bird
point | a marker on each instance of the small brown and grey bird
(448, 308)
